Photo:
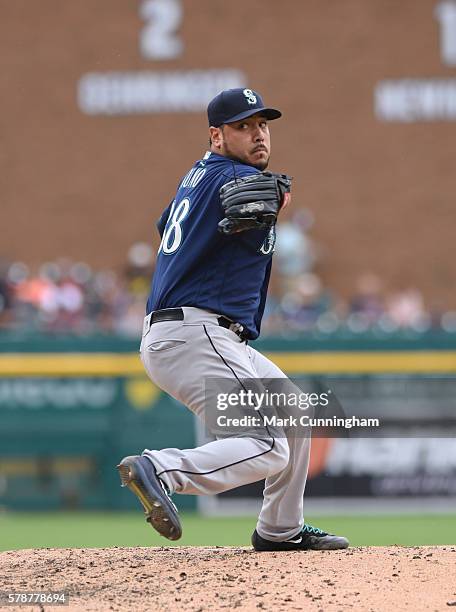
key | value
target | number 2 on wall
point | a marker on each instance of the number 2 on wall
(158, 39)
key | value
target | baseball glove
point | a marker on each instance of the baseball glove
(253, 202)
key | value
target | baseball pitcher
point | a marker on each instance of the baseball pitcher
(206, 303)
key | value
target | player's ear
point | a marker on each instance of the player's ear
(216, 137)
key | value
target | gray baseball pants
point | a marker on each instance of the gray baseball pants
(178, 356)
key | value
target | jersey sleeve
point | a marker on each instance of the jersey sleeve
(236, 170)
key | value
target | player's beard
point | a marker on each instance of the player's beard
(243, 160)
(261, 166)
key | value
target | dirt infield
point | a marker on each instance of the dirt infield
(197, 579)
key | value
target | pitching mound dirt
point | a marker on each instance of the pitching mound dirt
(197, 579)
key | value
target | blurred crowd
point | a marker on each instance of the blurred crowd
(299, 301)
(64, 296)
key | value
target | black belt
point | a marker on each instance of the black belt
(177, 314)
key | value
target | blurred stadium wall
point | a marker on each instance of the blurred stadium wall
(102, 113)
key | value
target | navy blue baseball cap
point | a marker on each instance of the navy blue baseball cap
(234, 104)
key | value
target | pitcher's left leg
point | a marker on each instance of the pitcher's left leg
(281, 515)
(281, 524)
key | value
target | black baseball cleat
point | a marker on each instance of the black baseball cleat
(310, 538)
(139, 475)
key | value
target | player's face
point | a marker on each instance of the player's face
(247, 140)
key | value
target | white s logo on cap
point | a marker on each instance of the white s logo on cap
(251, 97)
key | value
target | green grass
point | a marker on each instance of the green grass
(96, 529)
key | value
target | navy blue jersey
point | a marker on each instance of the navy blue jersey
(197, 265)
